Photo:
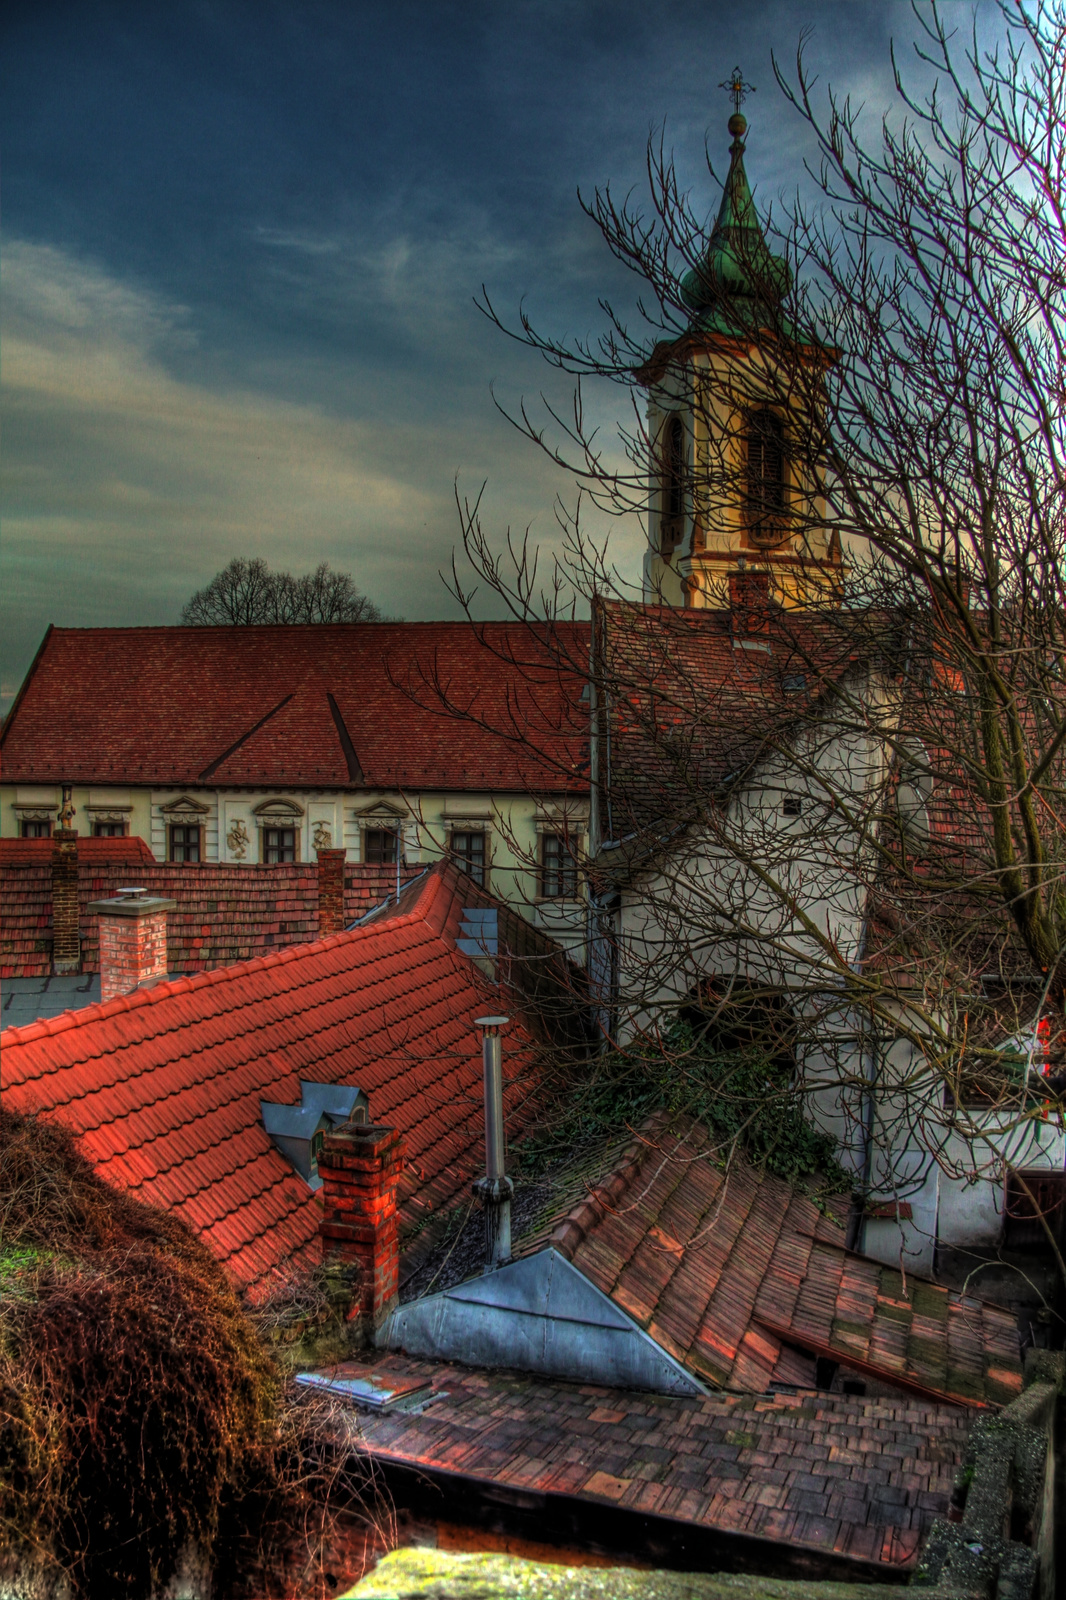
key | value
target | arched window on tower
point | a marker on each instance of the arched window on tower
(767, 478)
(672, 519)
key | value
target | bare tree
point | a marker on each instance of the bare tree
(248, 592)
(829, 782)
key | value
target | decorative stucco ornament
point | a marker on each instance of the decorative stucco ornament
(66, 812)
(322, 837)
(237, 840)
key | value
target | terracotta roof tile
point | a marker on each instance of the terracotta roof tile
(746, 1282)
(255, 707)
(784, 1468)
(94, 852)
(224, 913)
(164, 1086)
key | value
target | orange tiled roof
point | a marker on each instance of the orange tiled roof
(98, 852)
(163, 1086)
(225, 912)
(354, 706)
(743, 1280)
(696, 696)
(855, 1479)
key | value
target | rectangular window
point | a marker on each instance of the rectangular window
(792, 806)
(279, 844)
(109, 830)
(558, 866)
(184, 841)
(468, 852)
(379, 846)
(30, 829)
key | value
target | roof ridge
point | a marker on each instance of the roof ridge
(570, 1230)
(292, 628)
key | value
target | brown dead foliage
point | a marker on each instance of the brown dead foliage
(140, 1416)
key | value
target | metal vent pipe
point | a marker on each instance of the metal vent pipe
(495, 1188)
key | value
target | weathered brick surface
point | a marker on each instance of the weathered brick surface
(330, 891)
(224, 913)
(132, 951)
(360, 1171)
(64, 886)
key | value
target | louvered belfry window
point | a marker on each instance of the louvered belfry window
(673, 486)
(766, 475)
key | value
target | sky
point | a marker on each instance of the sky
(240, 251)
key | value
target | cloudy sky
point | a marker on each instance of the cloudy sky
(241, 241)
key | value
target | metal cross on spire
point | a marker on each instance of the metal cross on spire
(737, 88)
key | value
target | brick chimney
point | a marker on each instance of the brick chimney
(66, 940)
(749, 602)
(133, 940)
(330, 891)
(360, 1165)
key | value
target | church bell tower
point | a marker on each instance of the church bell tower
(733, 417)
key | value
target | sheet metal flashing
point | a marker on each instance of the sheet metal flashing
(538, 1314)
(369, 1389)
(323, 1106)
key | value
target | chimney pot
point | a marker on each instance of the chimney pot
(495, 1188)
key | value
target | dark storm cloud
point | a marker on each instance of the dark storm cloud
(241, 246)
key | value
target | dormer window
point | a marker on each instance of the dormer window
(767, 480)
(673, 485)
(298, 1131)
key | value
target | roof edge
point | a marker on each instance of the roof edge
(573, 1228)
(48, 1026)
(24, 685)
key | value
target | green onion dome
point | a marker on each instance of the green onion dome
(737, 266)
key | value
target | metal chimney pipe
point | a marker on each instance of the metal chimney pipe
(495, 1188)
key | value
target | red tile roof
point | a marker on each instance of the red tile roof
(224, 913)
(97, 852)
(856, 1477)
(745, 1281)
(696, 696)
(163, 1086)
(354, 706)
